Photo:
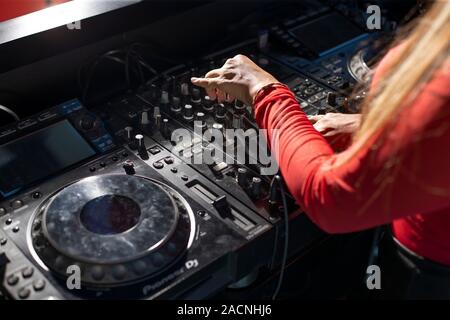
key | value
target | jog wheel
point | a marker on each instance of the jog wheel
(118, 229)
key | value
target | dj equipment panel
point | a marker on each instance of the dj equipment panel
(115, 193)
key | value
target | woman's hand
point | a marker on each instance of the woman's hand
(337, 128)
(333, 124)
(239, 78)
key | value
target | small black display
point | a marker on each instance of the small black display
(40, 154)
(325, 33)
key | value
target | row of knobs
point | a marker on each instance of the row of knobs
(190, 104)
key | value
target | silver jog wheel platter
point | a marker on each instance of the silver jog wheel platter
(118, 229)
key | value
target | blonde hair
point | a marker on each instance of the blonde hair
(426, 49)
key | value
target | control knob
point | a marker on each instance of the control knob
(188, 113)
(142, 150)
(87, 123)
(196, 96)
(242, 177)
(220, 113)
(165, 130)
(200, 121)
(176, 105)
(208, 104)
(256, 187)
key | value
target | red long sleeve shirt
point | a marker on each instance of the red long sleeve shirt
(405, 180)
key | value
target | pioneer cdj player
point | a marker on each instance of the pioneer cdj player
(133, 229)
(110, 202)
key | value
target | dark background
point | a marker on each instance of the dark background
(42, 69)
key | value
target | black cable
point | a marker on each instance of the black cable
(110, 55)
(277, 178)
(144, 45)
(10, 112)
(129, 57)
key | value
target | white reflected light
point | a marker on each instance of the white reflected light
(55, 16)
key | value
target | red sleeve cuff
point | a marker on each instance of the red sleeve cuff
(264, 91)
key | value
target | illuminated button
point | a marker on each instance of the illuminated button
(2, 211)
(16, 229)
(184, 177)
(3, 241)
(8, 221)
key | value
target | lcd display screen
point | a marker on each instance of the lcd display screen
(39, 155)
(325, 33)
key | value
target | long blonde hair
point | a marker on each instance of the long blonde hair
(426, 50)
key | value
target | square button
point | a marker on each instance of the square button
(154, 150)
